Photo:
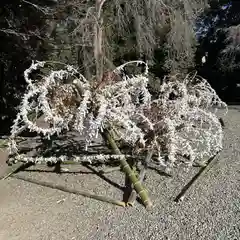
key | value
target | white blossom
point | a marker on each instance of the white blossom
(181, 119)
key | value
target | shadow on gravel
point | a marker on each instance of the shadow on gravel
(71, 145)
(52, 171)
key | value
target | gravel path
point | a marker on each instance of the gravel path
(210, 211)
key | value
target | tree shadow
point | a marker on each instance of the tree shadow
(102, 176)
(61, 172)
(159, 171)
(70, 147)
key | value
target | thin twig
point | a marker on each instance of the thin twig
(17, 168)
(41, 9)
(93, 158)
(196, 178)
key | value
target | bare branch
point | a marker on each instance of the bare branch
(44, 10)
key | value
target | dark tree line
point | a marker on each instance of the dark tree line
(220, 42)
(61, 30)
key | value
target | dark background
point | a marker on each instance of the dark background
(20, 47)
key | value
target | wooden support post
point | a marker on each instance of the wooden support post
(141, 191)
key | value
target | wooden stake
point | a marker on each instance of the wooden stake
(133, 196)
(129, 172)
(17, 168)
(196, 178)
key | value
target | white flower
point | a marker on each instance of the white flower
(183, 124)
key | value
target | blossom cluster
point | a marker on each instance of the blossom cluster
(180, 121)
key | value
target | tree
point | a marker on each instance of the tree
(218, 31)
(96, 36)
(21, 31)
(135, 29)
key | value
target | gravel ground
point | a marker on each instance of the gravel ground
(210, 211)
